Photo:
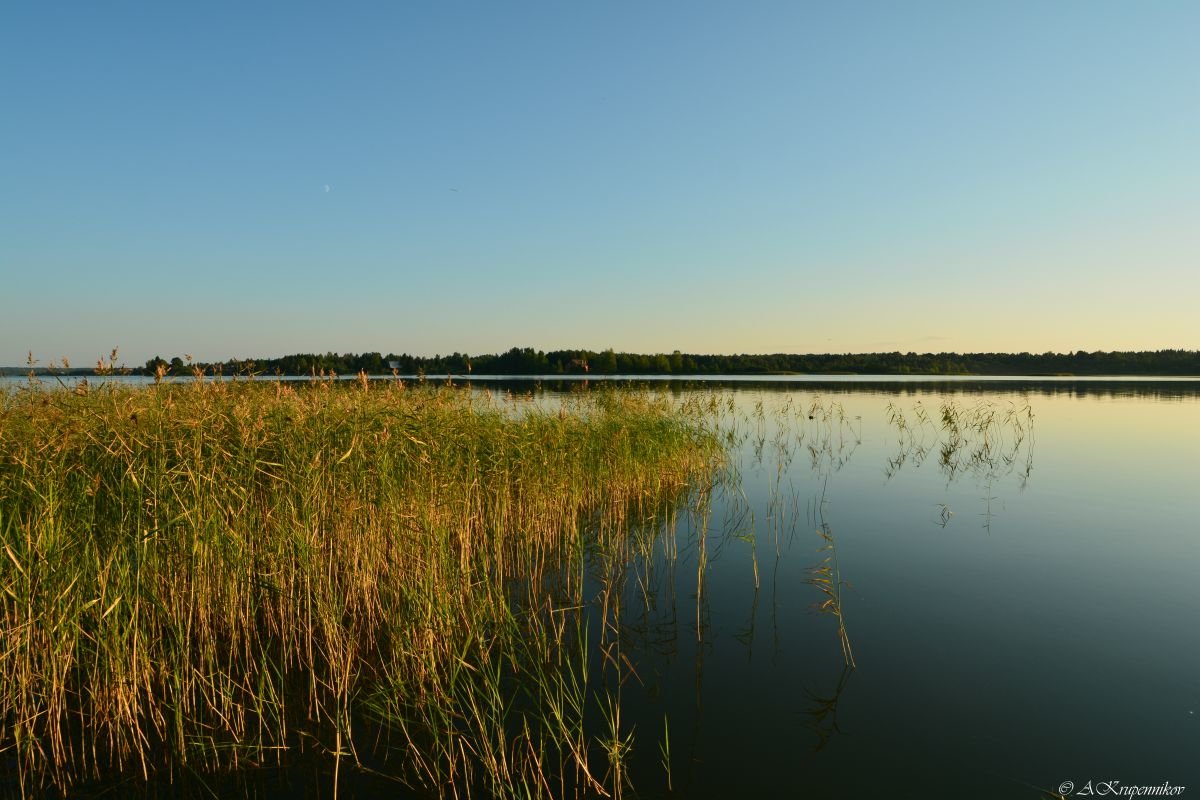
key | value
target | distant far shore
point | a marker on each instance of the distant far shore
(528, 361)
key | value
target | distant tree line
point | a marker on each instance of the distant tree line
(528, 361)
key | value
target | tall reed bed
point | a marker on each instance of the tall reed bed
(196, 577)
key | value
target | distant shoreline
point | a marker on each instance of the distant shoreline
(526, 361)
(74, 374)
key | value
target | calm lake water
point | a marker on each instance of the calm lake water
(1021, 601)
(1018, 620)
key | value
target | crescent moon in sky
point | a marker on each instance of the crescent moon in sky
(327, 188)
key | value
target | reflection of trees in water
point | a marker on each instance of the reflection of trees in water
(964, 391)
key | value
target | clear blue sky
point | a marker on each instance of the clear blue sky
(255, 179)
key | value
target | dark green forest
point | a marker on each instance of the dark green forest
(528, 361)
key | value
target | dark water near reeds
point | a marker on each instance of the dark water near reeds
(1044, 631)
(1020, 618)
